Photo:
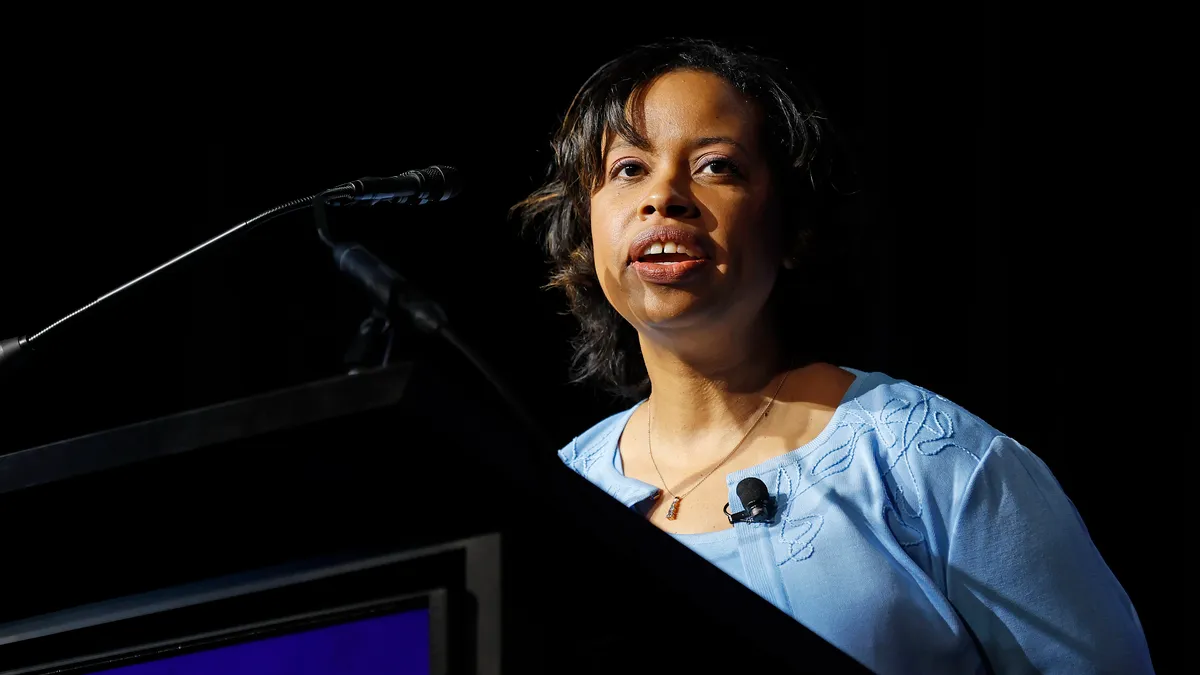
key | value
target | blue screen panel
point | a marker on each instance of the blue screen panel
(393, 644)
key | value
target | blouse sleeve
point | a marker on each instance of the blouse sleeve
(1024, 574)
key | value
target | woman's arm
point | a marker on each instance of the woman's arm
(1024, 574)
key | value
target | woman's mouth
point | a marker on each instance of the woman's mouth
(667, 262)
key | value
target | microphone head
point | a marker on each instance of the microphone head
(440, 182)
(751, 491)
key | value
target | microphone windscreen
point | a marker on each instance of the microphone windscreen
(751, 490)
(444, 181)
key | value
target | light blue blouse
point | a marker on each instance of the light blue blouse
(719, 548)
(907, 532)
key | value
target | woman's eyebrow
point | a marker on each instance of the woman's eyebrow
(701, 142)
(621, 142)
(716, 140)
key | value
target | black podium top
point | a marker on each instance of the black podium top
(204, 427)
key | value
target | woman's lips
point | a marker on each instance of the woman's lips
(668, 272)
(664, 233)
(668, 268)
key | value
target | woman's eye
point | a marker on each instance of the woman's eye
(630, 170)
(719, 167)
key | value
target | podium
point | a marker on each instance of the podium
(399, 487)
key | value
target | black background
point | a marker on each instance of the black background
(1010, 260)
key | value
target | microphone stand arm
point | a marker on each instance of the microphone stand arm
(13, 349)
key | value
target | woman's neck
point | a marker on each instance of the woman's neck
(710, 385)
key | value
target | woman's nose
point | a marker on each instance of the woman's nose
(668, 201)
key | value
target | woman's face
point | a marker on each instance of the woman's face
(685, 231)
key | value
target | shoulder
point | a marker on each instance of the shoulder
(905, 418)
(923, 448)
(581, 454)
(984, 516)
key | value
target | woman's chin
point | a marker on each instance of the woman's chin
(666, 307)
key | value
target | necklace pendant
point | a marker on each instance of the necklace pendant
(673, 511)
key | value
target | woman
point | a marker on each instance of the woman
(909, 533)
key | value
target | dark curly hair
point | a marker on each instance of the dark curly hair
(607, 349)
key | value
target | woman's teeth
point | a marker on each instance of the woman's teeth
(669, 247)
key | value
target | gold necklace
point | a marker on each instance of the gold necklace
(673, 511)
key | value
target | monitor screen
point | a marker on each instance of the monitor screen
(388, 644)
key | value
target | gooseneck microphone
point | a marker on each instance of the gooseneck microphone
(24, 345)
(436, 183)
(758, 506)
